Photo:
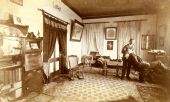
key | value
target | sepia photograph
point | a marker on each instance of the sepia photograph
(110, 33)
(109, 45)
(84, 51)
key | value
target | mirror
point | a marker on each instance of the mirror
(148, 42)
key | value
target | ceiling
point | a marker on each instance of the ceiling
(87, 9)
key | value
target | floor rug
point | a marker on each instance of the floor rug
(41, 98)
(93, 88)
(152, 94)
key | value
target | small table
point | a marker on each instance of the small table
(113, 64)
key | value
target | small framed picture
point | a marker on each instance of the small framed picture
(19, 2)
(17, 20)
(76, 31)
(109, 45)
(111, 33)
(34, 46)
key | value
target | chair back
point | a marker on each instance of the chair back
(73, 61)
(94, 54)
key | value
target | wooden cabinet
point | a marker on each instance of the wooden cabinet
(20, 61)
(10, 77)
(32, 72)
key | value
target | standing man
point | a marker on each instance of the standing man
(127, 49)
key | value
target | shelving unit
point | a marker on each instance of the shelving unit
(10, 69)
(20, 63)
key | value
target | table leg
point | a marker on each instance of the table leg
(117, 71)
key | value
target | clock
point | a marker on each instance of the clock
(18, 19)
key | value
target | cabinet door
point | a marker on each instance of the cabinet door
(33, 61)
(33, 81)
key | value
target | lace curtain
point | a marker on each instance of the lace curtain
(93, 38)
(127, 30)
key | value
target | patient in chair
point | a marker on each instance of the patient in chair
(138, 64)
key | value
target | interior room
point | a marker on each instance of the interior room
(85, 51)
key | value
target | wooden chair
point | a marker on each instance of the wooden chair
(75, 69)
(87, 61)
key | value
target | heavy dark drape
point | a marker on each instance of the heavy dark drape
(63, 50)
(54, 29)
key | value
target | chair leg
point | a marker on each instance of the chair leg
(105, 71)
(48, 80)
(77, 74)
(80, 75)
(117, 72)
(71, 75)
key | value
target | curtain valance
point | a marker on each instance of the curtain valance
(54, 21)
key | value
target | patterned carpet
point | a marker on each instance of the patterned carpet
(93, 88)
(152, 93)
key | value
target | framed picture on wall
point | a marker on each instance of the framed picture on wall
(109, 45)
(19, 2)
(110, 33)
(76, 31)
(17, 20)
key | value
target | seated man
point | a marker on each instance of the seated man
(138, 64)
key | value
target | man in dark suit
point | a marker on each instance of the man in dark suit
(126, 50)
